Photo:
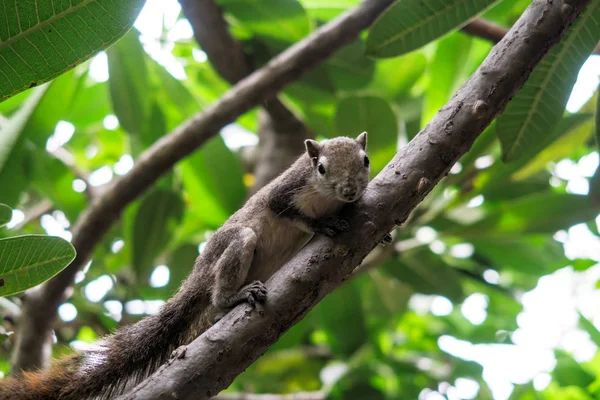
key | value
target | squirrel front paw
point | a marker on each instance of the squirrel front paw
(331, 226)
(253, 292)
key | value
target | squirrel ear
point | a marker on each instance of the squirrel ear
(312, 148)
(362, 140)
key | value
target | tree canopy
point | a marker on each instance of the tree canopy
(489, 289)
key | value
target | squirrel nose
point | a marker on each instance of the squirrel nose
(349, 192)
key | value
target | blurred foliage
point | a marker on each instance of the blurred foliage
(487, 231)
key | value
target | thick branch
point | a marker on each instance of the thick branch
(493, 32)
(213, 360)
(41, 304)
(281, 133)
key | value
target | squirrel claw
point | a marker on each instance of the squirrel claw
(387, 239)
(256, 291)
(333, 225)
(179, 353)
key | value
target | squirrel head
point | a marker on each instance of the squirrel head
(340, 166)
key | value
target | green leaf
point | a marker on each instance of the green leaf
(569, 134)
(5, 214)
(409, 24)
(12, 131)
(285, 20)
(212, 177)
(27, 261)
(539, 105)
(4, 336)
(349, 69)
(595, 180)
(427, 273)
(590, 328)
(55, 180)
(327, 10)
(181, 262)
(129, 87)
(533, 254)
(42, 39)
(90, 105)
(445, 70)
(356, 114)
(387, 81)
(341, 316)
(154, 223)
(177, 103)
(545, 212)
(569, 373)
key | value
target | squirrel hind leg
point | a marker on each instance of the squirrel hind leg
(232, 270)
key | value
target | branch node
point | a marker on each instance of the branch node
(479, 109)
(423, 185)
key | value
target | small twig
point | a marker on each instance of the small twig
(493, 32)
(34, 213)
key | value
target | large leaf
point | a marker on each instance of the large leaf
(590, 328)
(356, 114)
(12, 131)
(14, 173)
(341, 316)
(568, 135)
(539, 105)
(386, 79)
(569, 373)
(129, 87)
(284, 20)
(27, 261)
(445, 69)
(427, 273)
(409, 24)
(5, 214)
(154, 223)
(573, 131)
(349, 69)
(545, 212)
(595, 180)
(42, 39)
(533, 254)
(327, 10)
(212, 177)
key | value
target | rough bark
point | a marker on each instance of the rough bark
(281, 133)
(41, 304)
(213, 360)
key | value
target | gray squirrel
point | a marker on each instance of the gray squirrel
(252, 245)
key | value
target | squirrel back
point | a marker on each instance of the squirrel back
(250, 246)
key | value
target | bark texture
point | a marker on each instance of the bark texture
(213, 360)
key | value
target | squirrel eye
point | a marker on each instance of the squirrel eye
(366, 161)
(321, 169)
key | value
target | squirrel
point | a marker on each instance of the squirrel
(256, 241)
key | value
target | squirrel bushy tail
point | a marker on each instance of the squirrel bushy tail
(120, 360)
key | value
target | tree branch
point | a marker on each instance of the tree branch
(493, 32)
(213, 360)
(41, 304)
(281, 133)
